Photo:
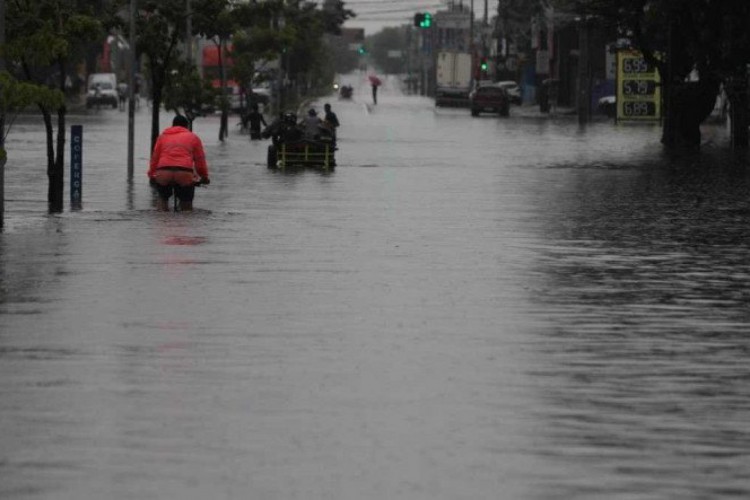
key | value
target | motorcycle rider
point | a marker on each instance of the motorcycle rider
(178, 163)
(283, 129)
(312, 124)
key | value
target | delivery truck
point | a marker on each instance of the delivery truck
(453, 78)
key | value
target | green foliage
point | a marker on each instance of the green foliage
(513, 20)
(41, 33)
(710, 35)
(389, 39)
(188, 93)
(344, 59)
(18, 95)
(255, 40)
(42, 37)
(334, 14)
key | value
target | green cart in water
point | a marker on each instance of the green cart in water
(302, 153)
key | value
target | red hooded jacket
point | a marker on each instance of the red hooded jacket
(178, 147)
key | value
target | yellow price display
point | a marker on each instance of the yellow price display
(638, 88)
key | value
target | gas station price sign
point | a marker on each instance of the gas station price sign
(638, 89)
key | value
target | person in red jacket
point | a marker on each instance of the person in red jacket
(178, 163)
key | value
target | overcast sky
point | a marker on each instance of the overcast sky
(374, 15)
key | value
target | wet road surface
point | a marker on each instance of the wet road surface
(474, 308)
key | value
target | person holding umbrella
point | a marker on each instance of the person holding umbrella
(374, 83)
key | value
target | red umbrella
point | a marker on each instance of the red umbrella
(374, 80)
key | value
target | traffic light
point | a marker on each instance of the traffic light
(362, 50)
(483, 65)
(423, 20)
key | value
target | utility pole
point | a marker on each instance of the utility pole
(189, 33)
(584, 71)
(484, 35)
(131, 91)
(3, 157)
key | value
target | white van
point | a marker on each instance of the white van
(101, 89)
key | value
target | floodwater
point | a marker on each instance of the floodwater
(466, 308)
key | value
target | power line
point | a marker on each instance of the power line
(392, 11)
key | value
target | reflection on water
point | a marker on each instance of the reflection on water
(644, 375)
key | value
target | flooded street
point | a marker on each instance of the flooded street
(466, 308)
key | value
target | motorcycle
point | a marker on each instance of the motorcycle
(345, 92)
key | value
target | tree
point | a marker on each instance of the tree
(215, 20)
(42, 37)
(15, 97)
(334, 15)
(257, 41)
(708, 38)
(385, 41)
(307, 57)
(160, 28)
(291, 32)
(344, 58)
(189, 94)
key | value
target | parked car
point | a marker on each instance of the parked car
(482, 83)
(607, 105)
(261, 94)
(513, 90)
(491, 98)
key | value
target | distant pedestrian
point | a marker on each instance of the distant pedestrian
(374, 83)
(122, 94)
(330, 121)
(137, 92)
(97, 94)
(253, 121)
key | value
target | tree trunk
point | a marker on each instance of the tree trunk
(224, 122)
(3, 161)
(155, 107)
(738, 112)
(54, 177)
(688, 104)
(57, 178)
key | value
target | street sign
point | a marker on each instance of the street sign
(76, 165)
(638, 88)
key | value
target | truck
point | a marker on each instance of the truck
(212, 72)
(453, 78)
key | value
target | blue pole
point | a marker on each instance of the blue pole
(76, 166)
